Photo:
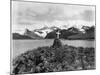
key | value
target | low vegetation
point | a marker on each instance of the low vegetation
(50, 59)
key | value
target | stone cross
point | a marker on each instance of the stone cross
(58, 33)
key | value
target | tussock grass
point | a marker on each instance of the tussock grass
(49, 59)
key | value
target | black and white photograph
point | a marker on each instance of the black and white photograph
(52, 37)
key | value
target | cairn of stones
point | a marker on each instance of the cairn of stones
(57, 42)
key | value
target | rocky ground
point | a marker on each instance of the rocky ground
(54, 59)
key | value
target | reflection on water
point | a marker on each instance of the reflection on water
(20, 46)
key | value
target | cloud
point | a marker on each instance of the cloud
(88, 15)
(32, 16)
(29, 15)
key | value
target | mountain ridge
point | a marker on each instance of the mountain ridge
(67, 33)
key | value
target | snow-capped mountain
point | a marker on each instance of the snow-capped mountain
(48, 32)
(44, 31)
(31, 34)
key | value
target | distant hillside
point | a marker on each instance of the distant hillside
(18, 36)
(64, 33)
(74, 33)
(27, 35)
(89, 34)
(82, 36)
(42, 32)
(31, 34)
(85, 32)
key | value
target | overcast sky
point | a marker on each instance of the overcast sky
(34, 15)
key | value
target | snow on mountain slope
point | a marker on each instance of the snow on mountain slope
(43, 31)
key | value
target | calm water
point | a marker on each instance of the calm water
(20, 46)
